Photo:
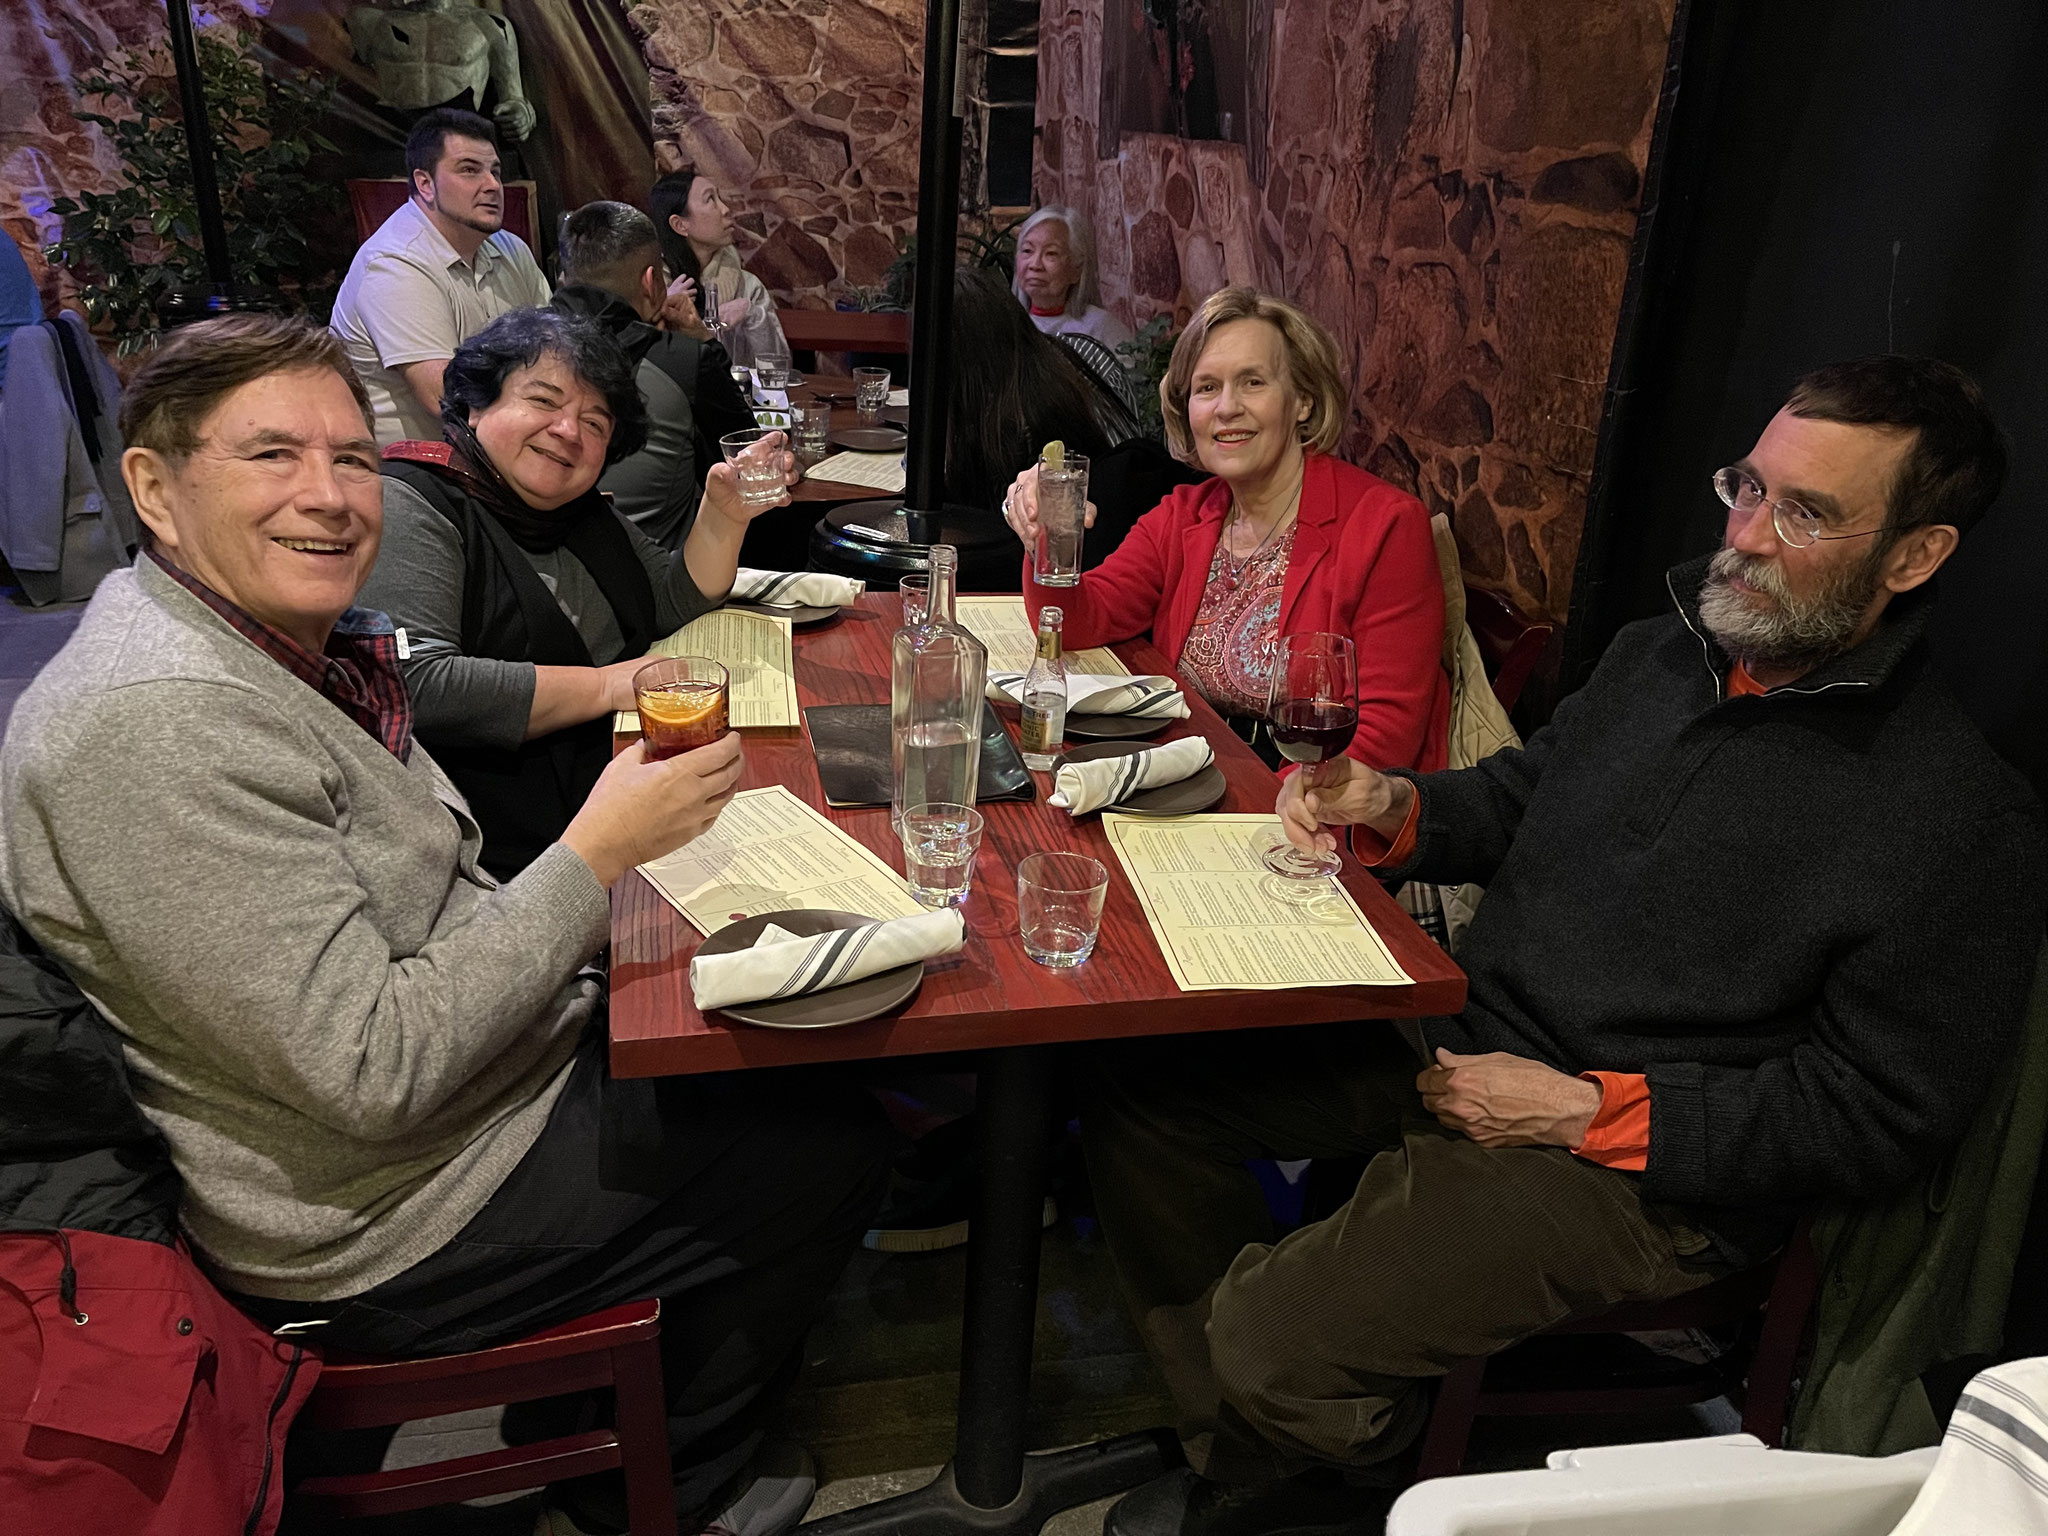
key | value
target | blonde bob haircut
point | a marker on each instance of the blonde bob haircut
(1313, 372)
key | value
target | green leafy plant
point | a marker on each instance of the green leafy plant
(1145, 357)
(985, 242)
(128, 247)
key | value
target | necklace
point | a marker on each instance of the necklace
(1233, 570)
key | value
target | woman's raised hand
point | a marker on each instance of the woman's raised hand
(1020, 508)
(722, 497)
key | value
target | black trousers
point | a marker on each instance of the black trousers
(735, 1198)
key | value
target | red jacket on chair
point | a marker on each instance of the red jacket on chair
(1363, 564)
(134, 1400)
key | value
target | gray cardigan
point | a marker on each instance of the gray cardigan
(348, 1034)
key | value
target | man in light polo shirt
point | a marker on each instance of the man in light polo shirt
(438, 271)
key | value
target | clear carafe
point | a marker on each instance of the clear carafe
(937, 671)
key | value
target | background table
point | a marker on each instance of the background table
(992, 999)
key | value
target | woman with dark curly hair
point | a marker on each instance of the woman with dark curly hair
(524, 602)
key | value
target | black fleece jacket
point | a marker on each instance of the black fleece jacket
(1809, 917)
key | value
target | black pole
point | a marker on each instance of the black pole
(213, 232)
(938, 235)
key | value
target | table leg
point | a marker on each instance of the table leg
(991, 1487)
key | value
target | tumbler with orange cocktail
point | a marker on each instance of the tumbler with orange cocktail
(682, 704)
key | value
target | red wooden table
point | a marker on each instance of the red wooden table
(992, 999)
(835, 492)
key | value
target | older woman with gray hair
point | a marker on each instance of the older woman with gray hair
(525, 601)
(1055, 277)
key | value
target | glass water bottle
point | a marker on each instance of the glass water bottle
(937, 671)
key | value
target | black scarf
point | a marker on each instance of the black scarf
(538, 532)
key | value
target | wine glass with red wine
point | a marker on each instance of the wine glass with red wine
(1312, 710)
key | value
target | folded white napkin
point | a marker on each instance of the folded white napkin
(780, 965)
(1154, 698)
(795, 589)
(1085, 787)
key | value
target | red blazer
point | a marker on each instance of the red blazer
(1363, 565)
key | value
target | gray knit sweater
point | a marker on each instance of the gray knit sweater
(347, 1034)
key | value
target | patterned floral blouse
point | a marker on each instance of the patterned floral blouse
(1229, 652)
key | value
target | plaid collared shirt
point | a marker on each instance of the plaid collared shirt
(358, 675)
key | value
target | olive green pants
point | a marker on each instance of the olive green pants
(1318, 1349)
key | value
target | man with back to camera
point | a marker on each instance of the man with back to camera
(382, 1073)
(434, 274)
(612, 274)
(1762, 909)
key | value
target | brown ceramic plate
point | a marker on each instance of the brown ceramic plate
(1197, 792)
(870, 439)
(799, 614)
(1115, 727)
(867, 998)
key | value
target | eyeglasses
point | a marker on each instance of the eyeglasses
(1797, 524)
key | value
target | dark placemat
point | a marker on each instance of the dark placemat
(851, 742)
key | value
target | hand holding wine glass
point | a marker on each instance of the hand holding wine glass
(1312, 710)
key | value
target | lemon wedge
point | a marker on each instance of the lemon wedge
(1054, 454)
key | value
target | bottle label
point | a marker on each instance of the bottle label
(1038, 732)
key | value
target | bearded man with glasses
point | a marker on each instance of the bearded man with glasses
(1762, 911)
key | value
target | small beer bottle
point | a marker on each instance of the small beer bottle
(1044, 696)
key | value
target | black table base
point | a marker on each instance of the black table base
(992, 1485)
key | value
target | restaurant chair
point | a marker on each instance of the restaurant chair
(1770, 1303)
(1510, 643)
(373, 199)
(618, 1348)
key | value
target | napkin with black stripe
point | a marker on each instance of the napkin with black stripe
(794, 589)
(1089, 786)
(1151, 698)
(781, 965)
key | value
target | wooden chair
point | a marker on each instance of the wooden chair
(1510, 642)
(1771, 1301)
(617, 1348)
(373, 199)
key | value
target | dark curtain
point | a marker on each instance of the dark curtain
(584, 73)
(1835, 179)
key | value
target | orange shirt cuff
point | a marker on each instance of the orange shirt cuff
(1375, 852)
(1619, 1136)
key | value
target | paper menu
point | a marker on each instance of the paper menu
(770, 852)
(1012, 639)
(1208, 899)
(755, 649)
(878, 471)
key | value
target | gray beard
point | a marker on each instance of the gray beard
(1794, 632)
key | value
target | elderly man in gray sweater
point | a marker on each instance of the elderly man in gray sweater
(380, 1071)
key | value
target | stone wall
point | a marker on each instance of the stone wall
(807, 113)
(1456, 206)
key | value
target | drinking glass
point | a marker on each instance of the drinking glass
(755, 455)
(916, 592)
(1312, 709)
(870, 393)
(682, 702)
(1059, 906)
(774, 369)
(939, 845)
(812, 424)
(1062, 512)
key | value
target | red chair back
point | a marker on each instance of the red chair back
(374, 200)
(1509, 643)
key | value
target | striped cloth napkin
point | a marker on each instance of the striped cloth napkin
(1084, 787)
(780, 965)
(795, 589)
(1154, 698)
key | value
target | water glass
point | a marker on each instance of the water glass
(1062, 515)
(916, 592)
(683, 704)
(774, 370)
(1059, 906)
(812, 424)
(870, 393)
(939, 845)
(756, 458)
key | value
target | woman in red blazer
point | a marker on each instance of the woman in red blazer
(1283, 540)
